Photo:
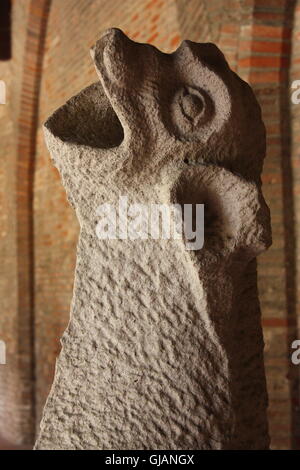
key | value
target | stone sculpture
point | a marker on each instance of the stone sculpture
(164, 347)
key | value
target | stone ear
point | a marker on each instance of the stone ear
(117, 59)
(236, 215)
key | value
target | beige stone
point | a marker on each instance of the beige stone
(164, 347)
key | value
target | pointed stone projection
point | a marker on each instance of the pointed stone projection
(164, 348)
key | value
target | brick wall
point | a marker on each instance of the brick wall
(18, 131)
(11, 407)
(9, 383)
(295, 187)
(256, 37)
(268, 63)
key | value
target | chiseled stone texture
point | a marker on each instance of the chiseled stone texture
(164, 348)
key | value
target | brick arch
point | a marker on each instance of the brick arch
(26, 150)
(295, 189)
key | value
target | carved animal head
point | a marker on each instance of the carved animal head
(185, 106)
(188, 103)
(153, 111)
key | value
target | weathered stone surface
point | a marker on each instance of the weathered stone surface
(164, 348)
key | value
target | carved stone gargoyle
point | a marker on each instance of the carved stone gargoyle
(164, 348)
